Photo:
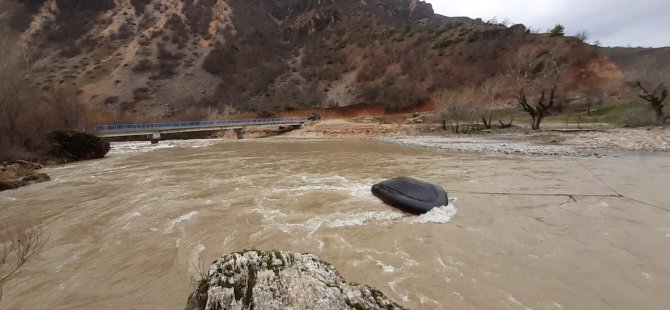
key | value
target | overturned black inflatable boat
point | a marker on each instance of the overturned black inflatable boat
(410, 195)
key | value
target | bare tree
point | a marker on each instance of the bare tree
(655, 99)
(539, 110)
(10, 87)
(594, 96)
(645, 72)
(16, 248)
(508, 125)
(16, 99)
(68, 109)
(455, 109)
(10, 111)
(582, 36)
(490, 89)
(537, 74)
(487, 118)
(228, 110)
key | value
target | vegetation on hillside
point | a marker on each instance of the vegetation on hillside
(269, 56)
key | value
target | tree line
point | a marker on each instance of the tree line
(539, 90)
(25, 116)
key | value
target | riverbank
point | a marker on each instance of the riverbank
(20, 173)
(594, 140)
(60, 147)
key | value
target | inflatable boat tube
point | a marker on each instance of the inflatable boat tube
(410, 195)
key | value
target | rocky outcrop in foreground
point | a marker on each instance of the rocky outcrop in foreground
(20, 173)
(72, 145)
(281, 280)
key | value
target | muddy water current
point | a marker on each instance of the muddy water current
(131, 230)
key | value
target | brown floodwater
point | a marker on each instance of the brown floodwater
(131, 230)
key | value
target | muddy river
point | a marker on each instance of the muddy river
(130, 231)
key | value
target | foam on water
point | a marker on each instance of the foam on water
(441, 215)
(512, 299)
(119, 148)
(425, 299)
(127, 218)
(601, 204)
(404, 295)
(388, 268)
(333, 184)
(358, 219)
(267, 213)
(334, 220)
(186, 217)
(229, 239)
(195, 255)
(332, 179)
(199, 143)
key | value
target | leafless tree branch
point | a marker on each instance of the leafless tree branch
(16, 249)
(456, 108)
(655, 99)
(538, 73)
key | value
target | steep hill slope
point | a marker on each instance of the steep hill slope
(642, 63)
(159, 58)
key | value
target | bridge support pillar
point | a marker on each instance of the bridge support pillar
(240, 133)
(155, 137)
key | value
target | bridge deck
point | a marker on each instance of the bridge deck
(176, 127)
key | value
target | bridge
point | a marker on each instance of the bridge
(154, 130)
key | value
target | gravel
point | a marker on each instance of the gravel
(491, 146)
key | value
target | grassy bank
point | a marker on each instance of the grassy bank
(619, 113)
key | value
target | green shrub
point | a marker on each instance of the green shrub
(557, 31)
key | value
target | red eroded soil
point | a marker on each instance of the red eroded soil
(359, 110)
(98, 117)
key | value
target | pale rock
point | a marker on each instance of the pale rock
(281, 280)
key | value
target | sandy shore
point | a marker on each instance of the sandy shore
(551, 142)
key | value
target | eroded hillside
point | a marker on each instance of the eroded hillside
(163, 57)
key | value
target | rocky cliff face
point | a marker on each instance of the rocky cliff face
(165, 57)
(281, 280)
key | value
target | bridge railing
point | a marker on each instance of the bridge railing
(176, 125)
